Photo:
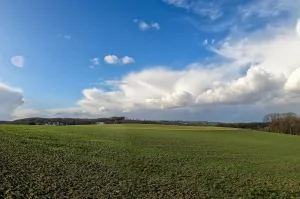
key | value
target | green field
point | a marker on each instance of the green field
(147, 161)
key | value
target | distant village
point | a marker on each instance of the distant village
(62, 124)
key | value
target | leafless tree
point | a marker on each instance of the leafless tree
(287, 123)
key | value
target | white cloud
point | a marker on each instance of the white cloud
(275, 51)
(21, 113)
(145, 26)
(208, 9)
(10, 99)
(253, 73)
(259, 71)
(148, 90)
(293, 82)
(257, 85)
(127, 60)
(155, 25)
(263, 8)
(102, 109)
(175, 100)
(298, 28)
(95, 61)
(270, 8)
(113, 59)
(205, 42)
(18, 61)
(12, 104)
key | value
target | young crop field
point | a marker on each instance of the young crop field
(147, 161)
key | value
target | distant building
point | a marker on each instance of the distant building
(99, 122)
(54, 124)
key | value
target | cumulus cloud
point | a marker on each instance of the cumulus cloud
(257, 85)
(95, 61)
(20, 113)
(148, 89)
(253, 72)
(10, 99)
(274, 53)
(145, 26)
(175, 100)
(113, 59)
(127, 60)
(293, 82)
(18, 61)
(12, 104)
(260, 70)
(298, 28)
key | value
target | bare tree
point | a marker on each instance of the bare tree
(288, 123)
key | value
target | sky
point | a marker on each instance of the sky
(229, 61)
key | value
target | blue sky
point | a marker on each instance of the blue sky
(56, 41)
(97, 29)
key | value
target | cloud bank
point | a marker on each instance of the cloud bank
(252, 73)
(258, 70)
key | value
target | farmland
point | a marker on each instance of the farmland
(146, 161)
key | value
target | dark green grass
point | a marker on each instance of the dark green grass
(147, 161)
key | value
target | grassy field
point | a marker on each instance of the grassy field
(147, 161)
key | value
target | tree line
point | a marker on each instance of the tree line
(245, 125)
(65, 121)
(287, 123)
(110, 120)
